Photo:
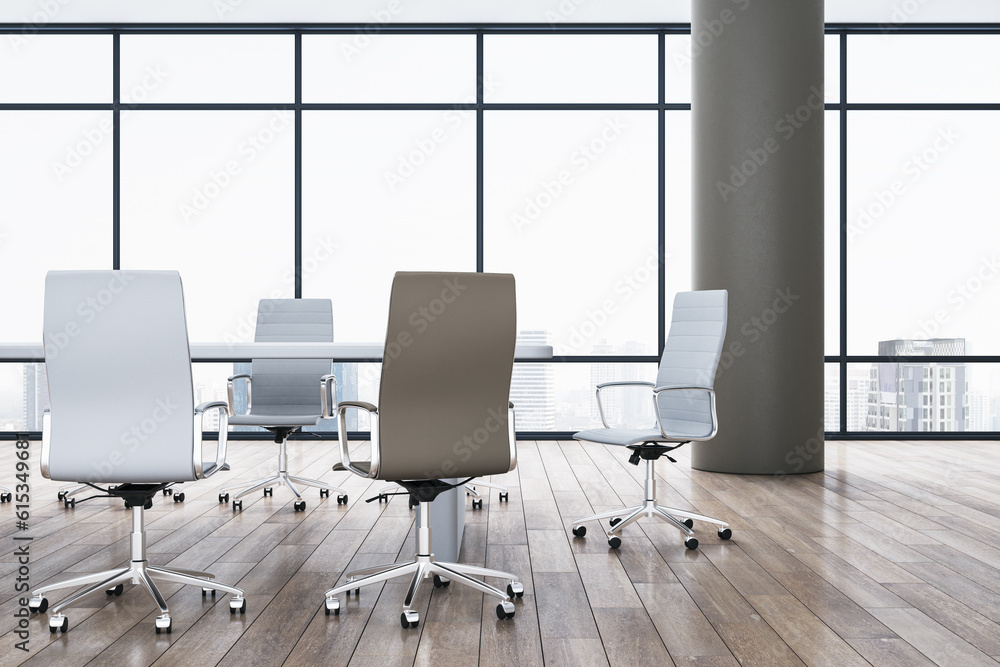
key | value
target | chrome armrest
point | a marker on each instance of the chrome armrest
(328, 395)
(512, 434)
(200, 470)
(623, 383)
(711, 397)
(345, 455)
(46, 436)
(229, 387)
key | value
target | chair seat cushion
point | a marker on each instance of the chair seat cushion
(274, 420)
(623, 436)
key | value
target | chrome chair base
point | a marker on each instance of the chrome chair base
(649, 508)
(138, 572)
(423, 566)
(282, 478)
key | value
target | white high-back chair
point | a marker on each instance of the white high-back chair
(684, 404)
(122, 413)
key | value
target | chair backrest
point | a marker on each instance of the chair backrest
(290, 386)
(119, 376)
(446, 372)
(690, 358)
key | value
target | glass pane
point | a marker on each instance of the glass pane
(680, 57)
(831, 397)
(831, 85)
(923, 68)
(677, 183)
(922, 228)
(389, 68)
(383, 191)
(24, 395)
(55, 190)
(56, 68)
(928, 397)
(571, 210)
(208, 68)
(831, 241)
(211, 194)
(571, 68)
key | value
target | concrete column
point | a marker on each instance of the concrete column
(757, 123)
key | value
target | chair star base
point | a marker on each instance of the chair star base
(282, 478)
(423, 566)
(138, 572)
(649, 508)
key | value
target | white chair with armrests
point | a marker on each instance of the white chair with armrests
(443, 413)
(122, 412)
(284, 395)
(684, 405)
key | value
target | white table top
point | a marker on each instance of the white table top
(33, 352)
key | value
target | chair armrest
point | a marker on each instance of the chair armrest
(229, 387)
(711, 397)
(328, 395)
(622, 383)
(200, 469)
(345, 455)
(46, 435)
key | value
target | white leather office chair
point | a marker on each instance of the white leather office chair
(283, 395)
(122, 412)
(684, 404)
(443, 413)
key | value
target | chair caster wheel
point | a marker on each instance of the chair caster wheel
(58, 623)
(238, 505)
(168, 492)
(477, 504)
(238, 605)
(324, 493)
(269, 491)
(691, 543)
(505, 610)
(342, 500)
(61, 495)
(357, 591)
(688, 522)
(382, 498)
(178, 497)
(164, 624)
(332, 606)
(725, 534)
(614, 542)
(69, 502)
(614, 522)
(117, 590)
(299, 505)
(223, 498)
(38, 604)
(441, 583)
(6, 497)
(515, 589)
(206, 591)
(504, 497)
(409, 619)
(580, 531)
